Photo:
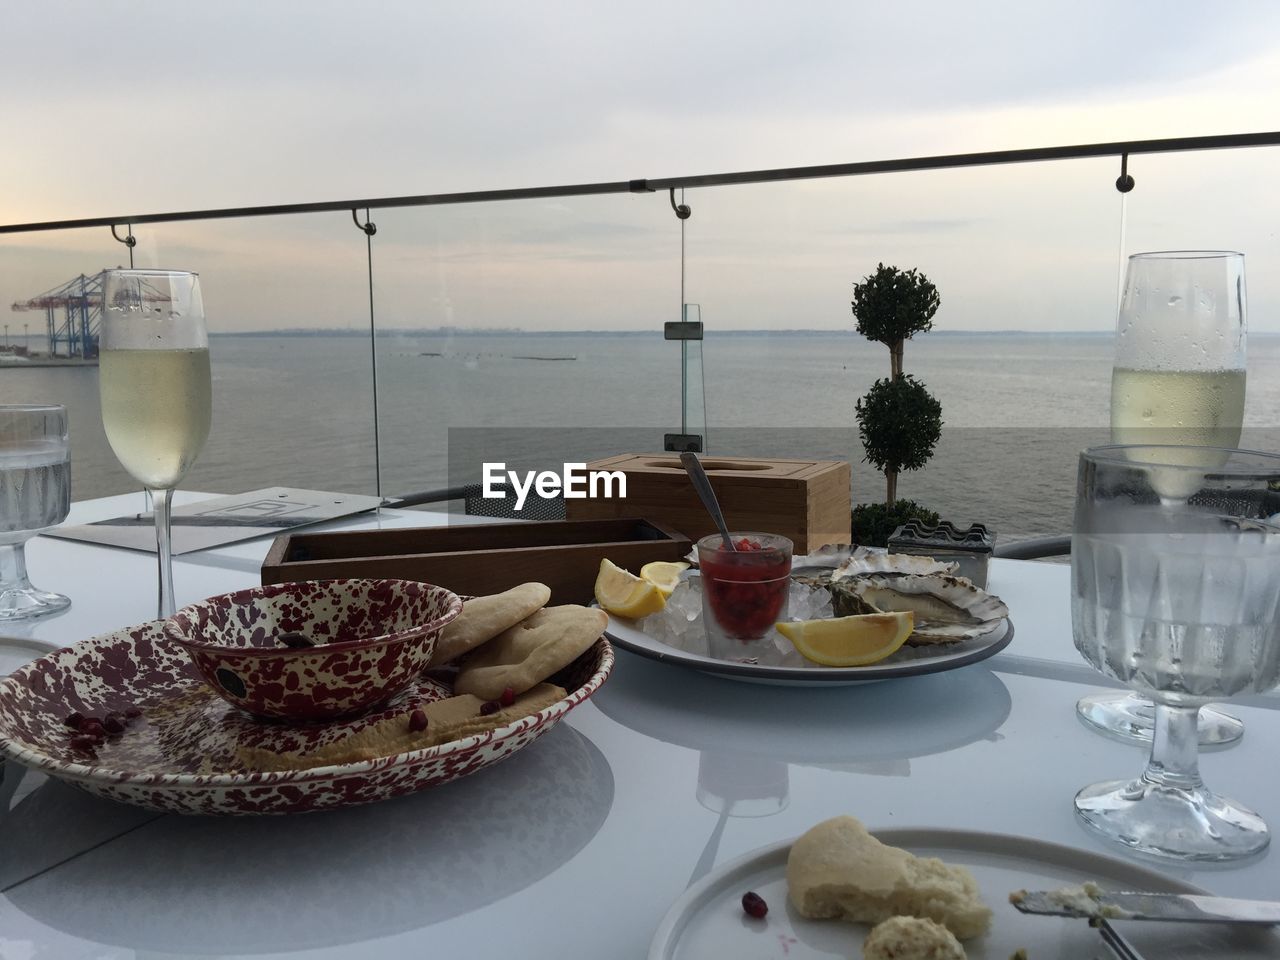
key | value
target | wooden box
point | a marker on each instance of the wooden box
(480, 558)
(805, 500)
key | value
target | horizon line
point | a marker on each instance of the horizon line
(517, 331)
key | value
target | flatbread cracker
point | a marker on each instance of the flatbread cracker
(483, 618)
(531, 651)
(452, 718)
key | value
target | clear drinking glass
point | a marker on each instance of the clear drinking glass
(744, 592)
(1178, 378)
(1179, 598)
(156, 392)
(35, 495)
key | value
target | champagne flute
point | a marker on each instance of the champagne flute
(35, 494)
(1178, 378)
(1179, 599)
(156, 391)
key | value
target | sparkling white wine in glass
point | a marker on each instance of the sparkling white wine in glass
(1203, 408)
(156, 442)
(156, 393)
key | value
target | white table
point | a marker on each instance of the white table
(577, 846)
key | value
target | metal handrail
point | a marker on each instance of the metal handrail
(441, 495)
(1035, 549)
(1120, 148)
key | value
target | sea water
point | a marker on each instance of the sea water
(298, 411)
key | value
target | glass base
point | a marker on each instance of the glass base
(732, 650)
(1170, 822)
(23, 603)
(1130, 717)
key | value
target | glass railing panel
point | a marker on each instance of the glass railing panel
(693, 383)
(287, 307)
(53, 280)
(540, 322)
(1024, 260)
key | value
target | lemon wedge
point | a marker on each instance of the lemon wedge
(663, 574)
(849, 641)
(626, 595)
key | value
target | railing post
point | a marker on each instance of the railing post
(369, 230)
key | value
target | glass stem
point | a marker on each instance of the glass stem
(160, 502)
(1175, 749)
(13, 565)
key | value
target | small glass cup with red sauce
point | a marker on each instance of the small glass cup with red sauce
(744, 591)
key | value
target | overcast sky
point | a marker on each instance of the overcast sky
(136, 107)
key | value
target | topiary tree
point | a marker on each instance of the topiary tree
(891, 306)
(899, 421)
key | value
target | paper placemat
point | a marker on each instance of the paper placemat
(223, 520)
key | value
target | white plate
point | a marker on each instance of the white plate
(708, 923)
(907, 662)
(17, 652)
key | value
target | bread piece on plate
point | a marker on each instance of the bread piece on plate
(452, 718)
(483, 618)
(911, 938)
(838, 870)
(531, 651)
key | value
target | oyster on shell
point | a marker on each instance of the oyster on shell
(947, 609)
(863, 562)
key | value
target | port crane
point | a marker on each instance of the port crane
(73, 313)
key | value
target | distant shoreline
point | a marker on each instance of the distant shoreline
(363, 334)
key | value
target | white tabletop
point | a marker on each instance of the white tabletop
(578, 845)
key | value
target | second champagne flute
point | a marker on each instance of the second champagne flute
(156, 390)
(1178, 379)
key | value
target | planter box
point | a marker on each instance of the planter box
(805, 500)
(479, 559)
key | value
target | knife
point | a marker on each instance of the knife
(1127, 905)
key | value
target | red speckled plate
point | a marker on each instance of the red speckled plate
(181, 755)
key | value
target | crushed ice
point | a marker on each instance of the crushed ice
(679, 624)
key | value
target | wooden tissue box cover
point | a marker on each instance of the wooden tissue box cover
(807, 501)
(480, 558)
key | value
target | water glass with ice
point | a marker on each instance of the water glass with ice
(1180, 599)
(1178, 379)
(35, 495)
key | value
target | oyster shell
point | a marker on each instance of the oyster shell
(947, 609)
(863, 562)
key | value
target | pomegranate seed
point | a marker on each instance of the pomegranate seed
(74, 719)
(417, 721)
(132, 713)
(93, 727)
(113, 724)
(489, 706)
(508, 696)
(754, 905)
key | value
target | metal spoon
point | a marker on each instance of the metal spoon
(700, 483)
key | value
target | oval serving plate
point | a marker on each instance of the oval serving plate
(907, 662)
(181, 755)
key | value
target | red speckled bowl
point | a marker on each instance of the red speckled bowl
(374, 638)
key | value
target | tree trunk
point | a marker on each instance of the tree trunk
(891, 485)
(895, 359)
